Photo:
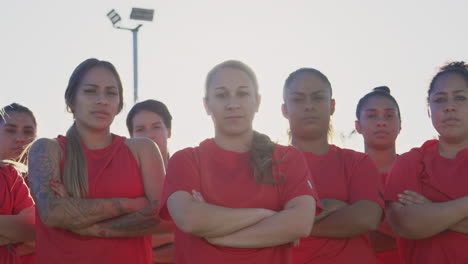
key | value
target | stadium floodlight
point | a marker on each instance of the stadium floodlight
(142, 14)
(137, 14)
(114, 17)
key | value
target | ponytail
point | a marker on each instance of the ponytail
(261, 159)
(75, 175)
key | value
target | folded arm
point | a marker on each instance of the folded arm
(68, 213)
(418, 220)
(207, 220)
(18, 228)
(411, 197)
(348, 221)
(290, 224)
(146, 220)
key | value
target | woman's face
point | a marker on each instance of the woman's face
(17, 130)
(308, 107)
(449, 107)
(151, 125)
(97, 99)
(379, 123)
(231, 101)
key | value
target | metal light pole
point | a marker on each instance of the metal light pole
(137, 14)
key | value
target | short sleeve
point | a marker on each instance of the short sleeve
(404, 175)
(365, 182)
(182, 175)
(18, 190)
(22, 195)
(298, 180)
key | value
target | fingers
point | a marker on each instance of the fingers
(58, 188)
(411, 197)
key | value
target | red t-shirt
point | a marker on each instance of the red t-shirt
(348, 176)
(14, 198)
(425, 171)
(112, 172)
(225, 178)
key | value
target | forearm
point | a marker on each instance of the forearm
(281, 228)
(214, 221)
(76, 213)
(139, 223)
(207, 220)
(424, 220)
(17, 228)
(352, 220)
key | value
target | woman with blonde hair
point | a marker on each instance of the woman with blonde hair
(237, 197)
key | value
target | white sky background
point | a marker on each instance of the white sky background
(357, 44)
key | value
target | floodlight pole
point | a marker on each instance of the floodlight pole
(135, 63)
(135, 59)
(137, 14)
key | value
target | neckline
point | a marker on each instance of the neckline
(115, 140)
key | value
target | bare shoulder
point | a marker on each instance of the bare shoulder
(137, 145)
(142, 148)
(45, 146)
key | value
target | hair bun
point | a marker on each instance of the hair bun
(383, 89)
(455, 65)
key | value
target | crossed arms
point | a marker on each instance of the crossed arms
(113, 217)
(244, 227)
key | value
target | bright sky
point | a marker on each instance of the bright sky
(357, 44)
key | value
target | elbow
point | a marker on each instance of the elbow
(305, 230)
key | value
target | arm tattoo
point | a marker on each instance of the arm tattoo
(43, 166)
(69, 213)
(138, 223)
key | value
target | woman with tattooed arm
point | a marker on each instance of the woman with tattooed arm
(107, 206)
